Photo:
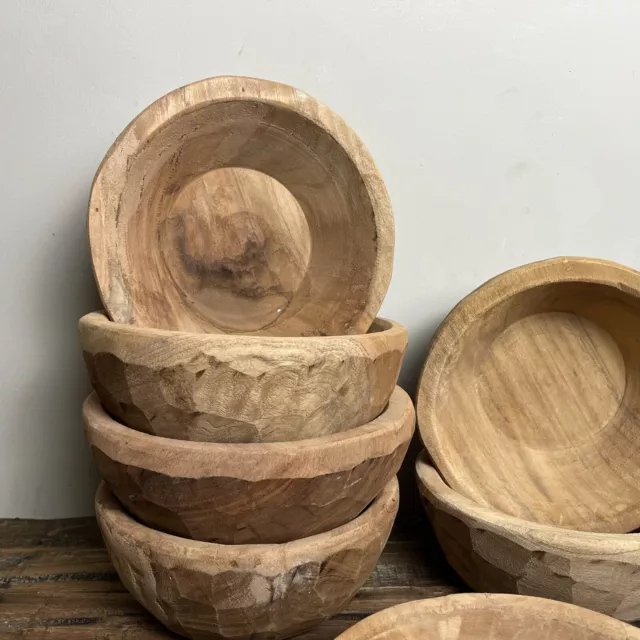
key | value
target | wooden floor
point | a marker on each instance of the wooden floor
(56, 582)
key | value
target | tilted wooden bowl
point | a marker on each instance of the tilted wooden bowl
(529, 400)
(496, 552)
(245, 592)
(475, 616)
(250, 493)
(241, 205)
(220, 388)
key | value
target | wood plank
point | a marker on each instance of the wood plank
(69, 532)
(45, 564)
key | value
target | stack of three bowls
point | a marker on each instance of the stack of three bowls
(245, 416)
(529, 410)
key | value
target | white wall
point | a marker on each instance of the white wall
(506, 131)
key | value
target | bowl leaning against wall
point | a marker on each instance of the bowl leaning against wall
(237, 205)
(210, 591)
(529, 401)
(496, 552)
(249, 493)
(222, 388)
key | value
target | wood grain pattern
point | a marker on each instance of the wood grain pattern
(481, 615)
(56, 581)
(249, 493)
(499, 553)
(529, 400)
(241, 205)
(210, 591)
(220, 388)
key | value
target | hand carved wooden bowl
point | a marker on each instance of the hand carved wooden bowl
(249, 493)
(220, 388)
(529, 400)
(236, 205)
(496, 552)
(208, 591)
(482, 616)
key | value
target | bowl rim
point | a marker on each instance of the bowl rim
(495, 291)
(251, 461)
(100, 320)
(570, 541)
(377, 625)
(111, 514)
(222, 89)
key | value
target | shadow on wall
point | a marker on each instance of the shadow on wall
(410, 506)
(61, 470)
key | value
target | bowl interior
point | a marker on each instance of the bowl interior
(245, 216)
(379, 325)
(537, 407)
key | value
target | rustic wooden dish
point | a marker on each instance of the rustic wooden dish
(245, 592)
(529, 400)
(492, 551)
(250, 493)
(241, 205)
(472, 616)
(220, 388)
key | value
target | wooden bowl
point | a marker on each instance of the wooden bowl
(529, 400)
(250, 493)
(236, 205)
(496, 552)
(220, 388)
(246, 592)
(471, 616)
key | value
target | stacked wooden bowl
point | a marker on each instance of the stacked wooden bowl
(529, 408)
(245, 418)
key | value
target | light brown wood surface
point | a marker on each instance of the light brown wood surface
(529, 400)
(488, 617)
(249, 493)
(209, 591)
(495, 552)
(241, 205)
(220, 388)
